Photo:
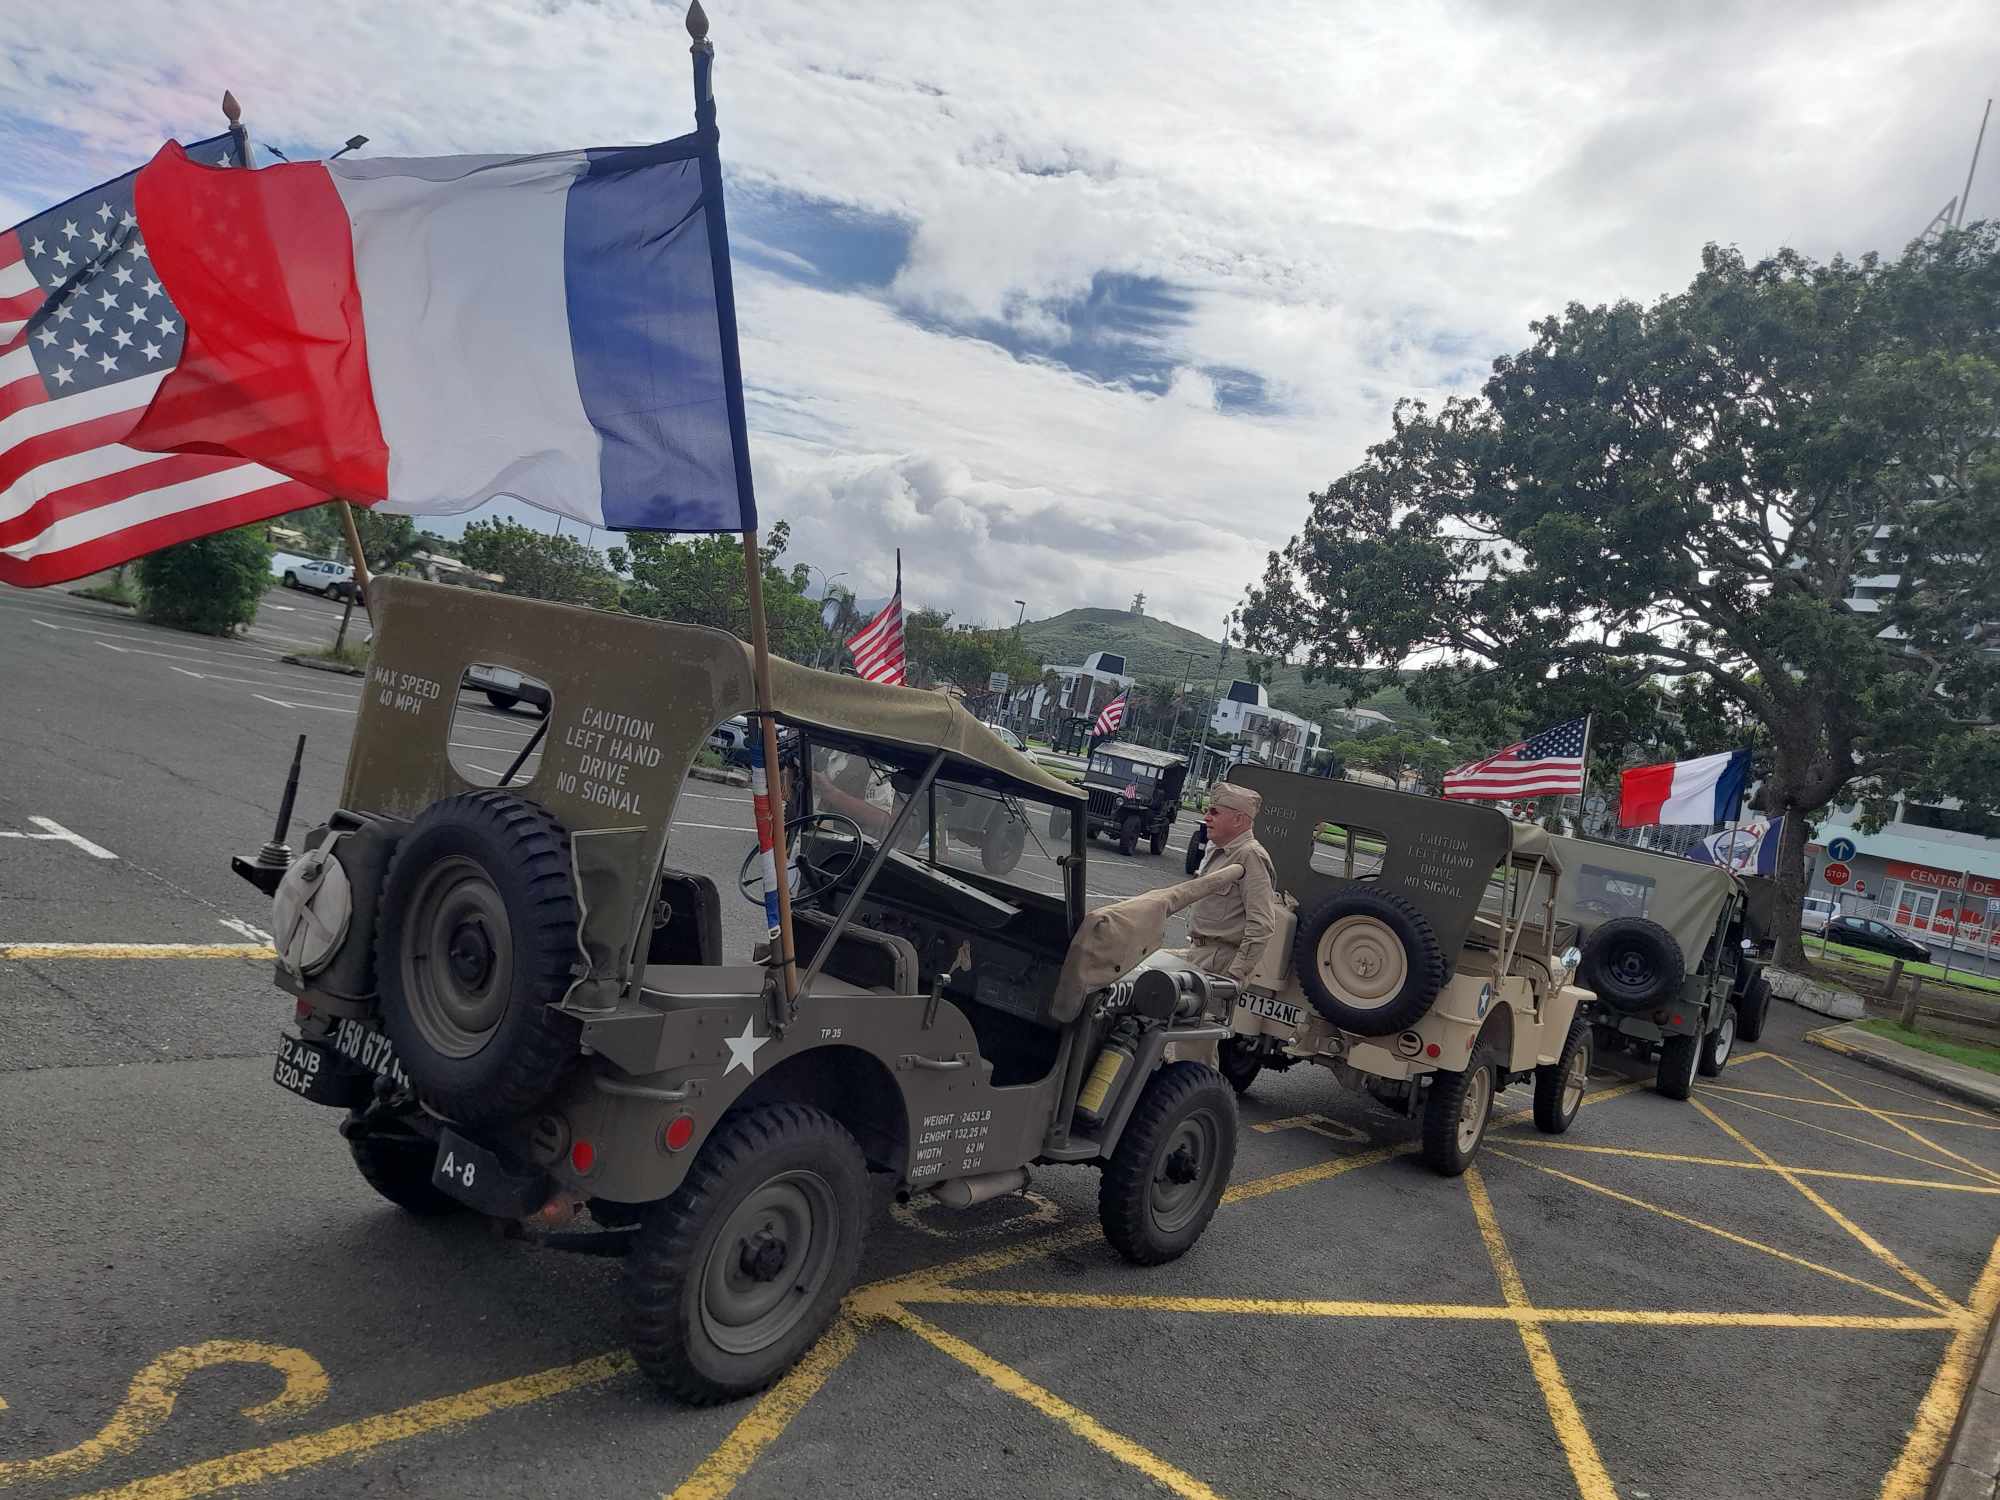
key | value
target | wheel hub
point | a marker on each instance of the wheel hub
(763, 1256)
(470, 953)
(1181, 1166)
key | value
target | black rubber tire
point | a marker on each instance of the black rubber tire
(1679, 1058)
(1631, 963)
(1175, 1095)
(501, 701)
(1001, 849)
(1239, 1063)
(1443, 1105)
(1128, 836)
(1158, 843)
(1197, 846)
(291, 580)
(664, 1274)
(524, 853)
(401, 1172)
(1718, 1044)
(1422, 954)
(1753, 1010)
(1550, 1117)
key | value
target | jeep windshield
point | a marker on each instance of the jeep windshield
(971, 831)
(1117, 768)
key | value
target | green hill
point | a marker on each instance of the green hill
(1153, 648)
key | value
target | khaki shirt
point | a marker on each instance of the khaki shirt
(1241, 917)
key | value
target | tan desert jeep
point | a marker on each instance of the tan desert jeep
(1420, 959)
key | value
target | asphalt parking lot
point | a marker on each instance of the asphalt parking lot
(1779, 1288)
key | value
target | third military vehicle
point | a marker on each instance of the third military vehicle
(1135, 795)
(523, 1009)
(1669, 948)
(1423, 961)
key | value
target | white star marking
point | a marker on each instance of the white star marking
(92, 325)
(151, 351)
(167, 326)
(107, 364)
(151, 288)
(38, 248)
(137, 311)
(69, 229)
(76, 349)
(121, 338)
(743, 1050)
(97, 238)
(108, 300)
(64, 375)
(127, 221)
(139, 250)
(64, 312)
(104, 213)
(47, 336)
(62, 258)
(123, 275)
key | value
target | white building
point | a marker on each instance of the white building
(1933, 872)
(1264, 734)
(1082, 687)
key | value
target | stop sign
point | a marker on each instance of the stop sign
(1837, 874)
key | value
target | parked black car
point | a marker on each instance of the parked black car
(1135, 794)
(1877, 937)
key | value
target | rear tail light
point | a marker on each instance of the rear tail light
(583, 1156)
(301, 1011)
(679, 1131)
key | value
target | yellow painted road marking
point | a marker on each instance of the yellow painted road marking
(1862, 1108)
(1868, 1241)
(1894, 1124)
(1751, 1166)
(1922, 1161)
(768, 1419)
(1720, 1233)
(1592, 1480)
(1909, 1478)
(1934, 1101)
(1279, 1182)
(1006, 1378)
(137, 950)
(1443, 1312)
(1333, 1130)
(351, 1439)
(149, 1401)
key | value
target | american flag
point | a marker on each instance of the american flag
(1549, 765)
(877, 647)
(1112, 716)
(87, 333)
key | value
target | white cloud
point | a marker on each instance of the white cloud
(1355, 203)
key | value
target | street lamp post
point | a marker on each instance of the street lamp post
(1021, 616)
(1187, 666)
(826, 582)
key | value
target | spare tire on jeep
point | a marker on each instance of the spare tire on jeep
(475, 945)
(1369, 961)
(1632, 963)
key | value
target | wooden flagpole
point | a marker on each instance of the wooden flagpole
(239, 135)
(766, 787)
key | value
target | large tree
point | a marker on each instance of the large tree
(1681, 500)
(538, 564)
(700, 580)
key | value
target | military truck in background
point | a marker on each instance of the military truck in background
(523, 1009)
(1670, 948)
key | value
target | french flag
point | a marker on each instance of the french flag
(430, 334)
(1707, 790)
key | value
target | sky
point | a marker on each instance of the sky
(1078, 302)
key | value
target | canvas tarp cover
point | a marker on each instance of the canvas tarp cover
(1602, 881)
(1113, 940)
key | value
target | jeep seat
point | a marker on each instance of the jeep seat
(873, 960)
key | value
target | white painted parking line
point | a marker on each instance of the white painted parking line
(244, 929)
(280, 703)
(54, 832)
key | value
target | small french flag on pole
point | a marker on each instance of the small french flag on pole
(432, 333)
(1708, 790)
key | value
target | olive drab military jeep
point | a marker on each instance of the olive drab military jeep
(1134, 796)
(1670, 946)
(1418, 957)
(524, 1009)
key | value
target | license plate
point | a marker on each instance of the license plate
(1271, 1009)
(368, 1049)
(479, 1178)
(316, 1073)
(503, 677)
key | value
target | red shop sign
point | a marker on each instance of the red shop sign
(1939, 880)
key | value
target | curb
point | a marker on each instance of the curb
(1828, 1037)
(720, 778)
(325, 666)
(97, 598)
(1971, 1459)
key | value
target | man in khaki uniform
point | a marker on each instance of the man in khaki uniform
(1228, 930)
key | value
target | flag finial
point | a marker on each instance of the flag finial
(231, 110)
(697, 22)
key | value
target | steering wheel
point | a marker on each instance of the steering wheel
(750, 879)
